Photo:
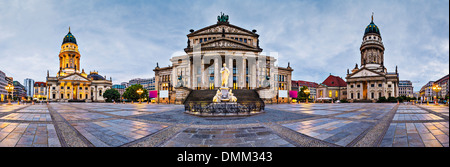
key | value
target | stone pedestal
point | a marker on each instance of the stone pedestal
(181, 94)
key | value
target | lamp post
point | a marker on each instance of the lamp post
(9, 88)
(139, 91)
(436, 88)
(307, 91)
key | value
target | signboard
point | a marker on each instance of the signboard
(163, 94)
(293, 94)
(282, 93)
(153, 94)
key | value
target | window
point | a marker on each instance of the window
(358, 95)
(81, 96)
(351, 95)
(53, 88)
(372, 96)
(351, 86)
(372, 85)
(380, 85)
(62, 87)
(337, 94)
(245, 40)
(68, 87)
(54, 96)
(100, 92)
(201, 40)
(358, 86)
(330, 93)
(389, 85)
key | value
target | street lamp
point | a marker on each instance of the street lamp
(436, 88)
(9, 88)
(139, 91)
(307, 91)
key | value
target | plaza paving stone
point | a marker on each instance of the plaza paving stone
(282, 125)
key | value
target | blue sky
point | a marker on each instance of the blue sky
(125, 39)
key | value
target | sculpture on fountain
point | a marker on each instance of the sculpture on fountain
(224, 94)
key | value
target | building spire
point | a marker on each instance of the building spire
(69, 29)
(372, 17)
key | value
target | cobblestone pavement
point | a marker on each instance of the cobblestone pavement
(282, 125)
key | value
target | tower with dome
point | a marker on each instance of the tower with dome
(71, 83)
(371, 80)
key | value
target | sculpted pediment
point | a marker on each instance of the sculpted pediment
(228, 44)
(75, 77)
(365, 73)
(227, 28)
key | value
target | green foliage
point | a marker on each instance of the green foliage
(392, 99)
(382, 100)
(302, 94)
(131, 94)
(111, 94)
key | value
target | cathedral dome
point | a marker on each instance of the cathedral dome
(95, 76)
(372, 28)
(69, 38)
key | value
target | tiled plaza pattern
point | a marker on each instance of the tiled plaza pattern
(283, 125)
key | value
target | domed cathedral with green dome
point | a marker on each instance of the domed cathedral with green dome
(371, 80)
(71, 83)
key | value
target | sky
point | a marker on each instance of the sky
(125, 39)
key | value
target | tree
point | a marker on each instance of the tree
(131, 94)
(301, 94)
(111, 94)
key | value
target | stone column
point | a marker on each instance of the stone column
(230, 77)
(243, 75)
(216, 73)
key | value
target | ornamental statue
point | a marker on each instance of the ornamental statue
(222, 18)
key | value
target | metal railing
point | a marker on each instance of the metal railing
(224, 108)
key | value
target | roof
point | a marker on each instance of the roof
(37, 84)
(372, 28)
(305, 83)
(334, 81)
(69, 38)
(443, 79)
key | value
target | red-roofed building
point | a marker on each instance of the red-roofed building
(40, 91)
(333, 87)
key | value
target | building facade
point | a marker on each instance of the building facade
(40, 91)
(371, 80)
(333, 87)
(443, 83)
(426, 92)
(19, 91)
(405, 88)
(147, 83)
(210, 48)
(71, 83)
(120, 88)
(3, 84)
(29, 87)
